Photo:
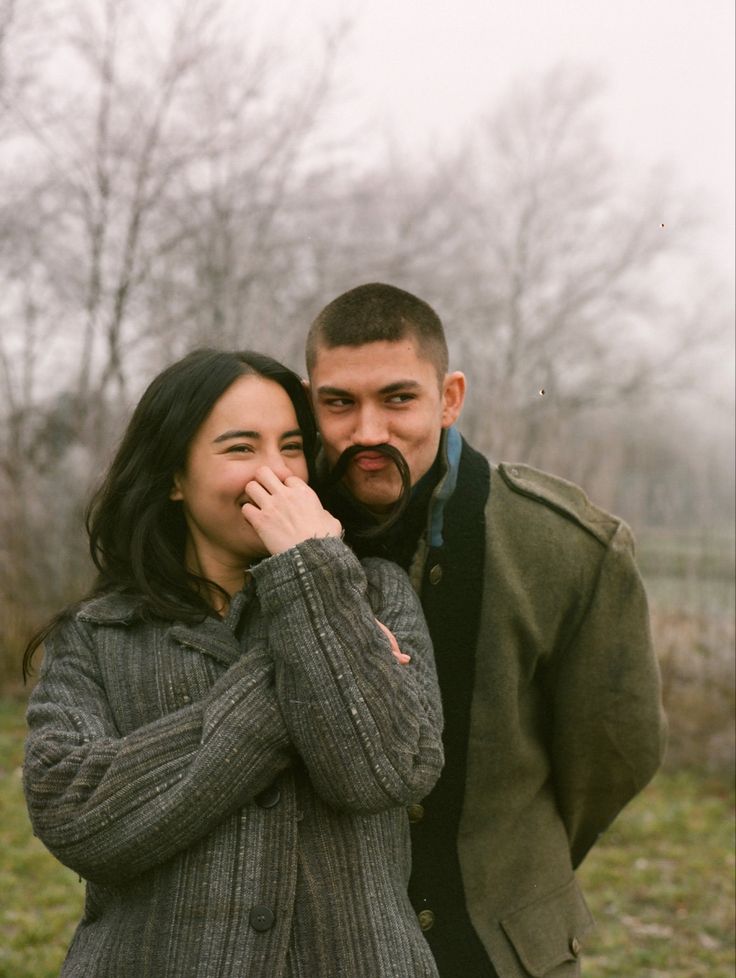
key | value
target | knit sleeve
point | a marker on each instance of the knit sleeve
(112, 806)
(368, 729)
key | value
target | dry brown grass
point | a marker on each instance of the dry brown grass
(696, 655)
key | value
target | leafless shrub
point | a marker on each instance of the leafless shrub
(696, 656)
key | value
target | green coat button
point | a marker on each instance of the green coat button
(435, 574)
(575, 946)
(415, 813)
(426, 919)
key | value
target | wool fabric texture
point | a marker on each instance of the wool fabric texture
(233, 791)
(558, 705)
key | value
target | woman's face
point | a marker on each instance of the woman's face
(252, 424)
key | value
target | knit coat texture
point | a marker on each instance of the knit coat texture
(233, 792)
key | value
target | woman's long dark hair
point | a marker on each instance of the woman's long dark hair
(136, 533)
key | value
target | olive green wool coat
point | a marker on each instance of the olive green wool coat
(565, 724)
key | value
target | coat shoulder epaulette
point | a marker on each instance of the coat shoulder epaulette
(567, 499)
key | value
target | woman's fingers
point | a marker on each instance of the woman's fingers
(286, 512)
(267, 483)
(264, 483)
(400, 656)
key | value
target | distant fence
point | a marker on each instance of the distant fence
(690, 580)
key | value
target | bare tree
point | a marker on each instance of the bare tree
(146, 208)
(568, 283)
(560, 303)
(239, 217)
(177, 191)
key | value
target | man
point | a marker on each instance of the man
(539, 620)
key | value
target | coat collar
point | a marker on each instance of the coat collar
(113, 608)
(215, 637)
(211, 637)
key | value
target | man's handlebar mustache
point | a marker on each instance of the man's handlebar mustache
(338, 471)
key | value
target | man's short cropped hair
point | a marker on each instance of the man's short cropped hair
(374, 312)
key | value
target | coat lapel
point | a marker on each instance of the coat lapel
(211, 637)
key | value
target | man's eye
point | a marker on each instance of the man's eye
(400, 398)
(338, 402)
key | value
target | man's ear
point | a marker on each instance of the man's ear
(453, 397)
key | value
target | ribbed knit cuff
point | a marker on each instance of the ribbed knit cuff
(278, 578)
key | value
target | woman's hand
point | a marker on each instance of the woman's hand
(401, 657)
(286, 512)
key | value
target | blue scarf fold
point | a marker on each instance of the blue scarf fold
(451, 446)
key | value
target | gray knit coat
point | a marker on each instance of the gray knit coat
(234, 791)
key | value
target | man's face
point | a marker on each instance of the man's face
(383, 392)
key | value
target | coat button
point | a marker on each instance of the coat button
(415, 813)
(261, 917)
(426, 919)
(435, 574)
(268, 797)
(575, 946)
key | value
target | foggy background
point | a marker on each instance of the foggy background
(555, 179)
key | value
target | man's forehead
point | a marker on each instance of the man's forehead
(390, 361)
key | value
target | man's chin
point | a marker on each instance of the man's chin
(379, 500)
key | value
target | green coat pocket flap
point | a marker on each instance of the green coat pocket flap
(549, 932)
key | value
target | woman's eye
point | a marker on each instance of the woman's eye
(293, 448)
(239, 449)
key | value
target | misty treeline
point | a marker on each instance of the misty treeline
(170, 179)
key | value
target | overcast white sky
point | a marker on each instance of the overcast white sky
(425, 69)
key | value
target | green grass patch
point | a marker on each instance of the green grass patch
(41, 900)
(660, 882)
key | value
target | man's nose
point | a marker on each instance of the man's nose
(370, 427)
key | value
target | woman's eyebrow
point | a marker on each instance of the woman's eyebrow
(253, 435)
(228, 435)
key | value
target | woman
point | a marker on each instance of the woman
(224, 734)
